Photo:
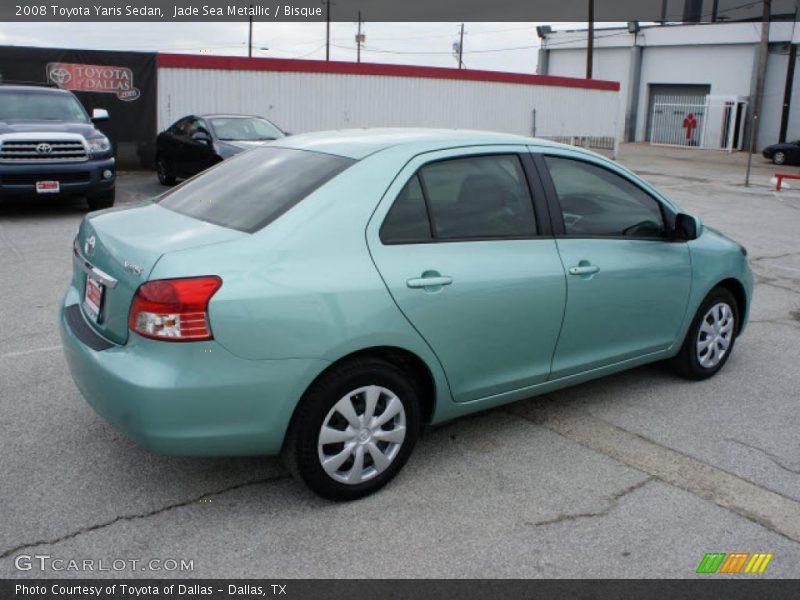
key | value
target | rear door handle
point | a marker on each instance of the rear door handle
(584, 270)
(429, 282)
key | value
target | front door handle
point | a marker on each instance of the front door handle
(584, 268)
(430, 281)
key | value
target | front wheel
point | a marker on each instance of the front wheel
(779, 158)
(354, 429)
(164, 170)
(710, 339)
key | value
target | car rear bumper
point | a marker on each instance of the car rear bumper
(75, 179)
(193, 399)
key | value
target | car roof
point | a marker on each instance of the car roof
(43, 89)
(359, 143)
(227, 116)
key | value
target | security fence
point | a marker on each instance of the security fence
(710, 122)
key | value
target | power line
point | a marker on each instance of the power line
(433, 52)
(440, 35)
(727, 10)
(583, 38)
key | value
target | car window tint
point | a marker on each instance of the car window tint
(479, 197)
(407, 221)
(193, 127)
(596, 202)
(252, 189)
(181, 127)
(200, 125)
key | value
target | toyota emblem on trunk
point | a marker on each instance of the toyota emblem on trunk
(44, 148)
(88, 247)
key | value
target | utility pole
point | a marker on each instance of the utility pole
(327, 29)
(461, 48)
(590, 42)
(715, 11)
(359, 39)
(250, 34)
(755, 110)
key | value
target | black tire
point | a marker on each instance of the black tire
(165, 174)
(779, 158)
(300, 451)
(100, 201)
(686, 363)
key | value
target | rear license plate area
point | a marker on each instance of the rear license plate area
(93, 298)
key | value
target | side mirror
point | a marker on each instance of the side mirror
(202, 137)
(99, 114)
(685, 227)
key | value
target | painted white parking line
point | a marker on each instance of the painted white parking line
(774, 511)
(26, 352)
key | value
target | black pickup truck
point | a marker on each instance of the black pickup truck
(50, 147)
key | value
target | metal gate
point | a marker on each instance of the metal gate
(710, 122)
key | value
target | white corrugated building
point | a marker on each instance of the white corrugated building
(668, 72)
(308, 95)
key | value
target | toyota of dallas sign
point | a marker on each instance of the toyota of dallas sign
(94, 78)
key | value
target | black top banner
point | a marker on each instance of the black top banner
(391, 10)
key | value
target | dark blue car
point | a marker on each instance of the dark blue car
(196, 142)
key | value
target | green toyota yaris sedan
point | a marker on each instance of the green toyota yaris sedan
(327, 295)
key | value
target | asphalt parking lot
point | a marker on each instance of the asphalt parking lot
(634, 475)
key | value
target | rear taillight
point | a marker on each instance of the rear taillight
(174, 310)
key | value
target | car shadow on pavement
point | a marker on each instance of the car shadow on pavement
(12, 208)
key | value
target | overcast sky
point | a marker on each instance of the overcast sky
(492, 46)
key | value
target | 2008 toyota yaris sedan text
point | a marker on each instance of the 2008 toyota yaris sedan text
(326, 296)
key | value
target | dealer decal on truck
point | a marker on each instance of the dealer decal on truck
(94, 78)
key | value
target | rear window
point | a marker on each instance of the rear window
(250, 190)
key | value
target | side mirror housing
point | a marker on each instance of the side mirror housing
(202, 137)
(686, 227)
(99, 114)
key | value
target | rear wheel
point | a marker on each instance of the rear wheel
(100, 201)
(710, 339)
(166, 175)
(779, 158)
(354, 429)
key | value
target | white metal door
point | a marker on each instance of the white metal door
(699, 122)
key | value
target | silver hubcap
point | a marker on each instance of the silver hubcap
(362, 434)
(715, 335)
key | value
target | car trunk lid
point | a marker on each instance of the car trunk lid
(119, 248)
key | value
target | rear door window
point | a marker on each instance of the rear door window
(479, 197)
(249, 191)
(407, 221)
(476, 197)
